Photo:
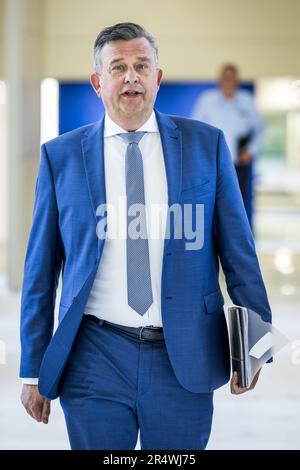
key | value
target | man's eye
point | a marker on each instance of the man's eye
(118, 68)
(142, 66)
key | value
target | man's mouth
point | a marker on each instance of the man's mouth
(131, 93)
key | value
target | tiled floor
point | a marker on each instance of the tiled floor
(267, 418)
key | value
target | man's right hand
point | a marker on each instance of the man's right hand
(36, 406)
(244, 157)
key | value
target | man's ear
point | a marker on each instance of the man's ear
(159, 77)
(95, 82)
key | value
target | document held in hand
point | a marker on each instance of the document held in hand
(252, 343)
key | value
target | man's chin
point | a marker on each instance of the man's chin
(130, 111)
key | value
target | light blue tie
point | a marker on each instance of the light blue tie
(139, 291)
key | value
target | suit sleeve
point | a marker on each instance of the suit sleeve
(42, 267)
(234, 241)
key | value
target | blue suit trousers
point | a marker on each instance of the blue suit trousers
(115, 385)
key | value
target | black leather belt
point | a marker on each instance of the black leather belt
(143, 333)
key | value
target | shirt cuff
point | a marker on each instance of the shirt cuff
(30, 381)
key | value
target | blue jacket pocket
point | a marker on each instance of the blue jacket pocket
(214, 301)
(195, 191)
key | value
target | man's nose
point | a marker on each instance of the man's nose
(131, 76)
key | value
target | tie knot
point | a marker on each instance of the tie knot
(132, 137)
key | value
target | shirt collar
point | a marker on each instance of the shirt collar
(226, 100)
(111, 128)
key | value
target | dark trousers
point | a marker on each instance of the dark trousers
(115, 385)
(245, 178)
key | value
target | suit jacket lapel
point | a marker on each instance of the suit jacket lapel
(93, 158)
(172, 150)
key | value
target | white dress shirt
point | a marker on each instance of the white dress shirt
(236, 116)
(108, 296)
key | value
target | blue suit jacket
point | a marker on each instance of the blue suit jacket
(71, 185)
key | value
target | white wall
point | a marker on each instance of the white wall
(195, 36)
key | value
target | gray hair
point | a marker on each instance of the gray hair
(120, 31)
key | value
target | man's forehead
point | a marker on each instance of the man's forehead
(134, 48)
(229, 73)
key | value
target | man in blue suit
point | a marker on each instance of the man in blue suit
(142, 340)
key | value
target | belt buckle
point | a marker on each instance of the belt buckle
(151, 327)
(140, 335)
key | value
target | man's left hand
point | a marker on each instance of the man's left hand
(236, 390)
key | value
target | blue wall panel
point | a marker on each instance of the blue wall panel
(79, 105)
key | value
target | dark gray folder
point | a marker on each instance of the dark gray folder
(238, 335)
